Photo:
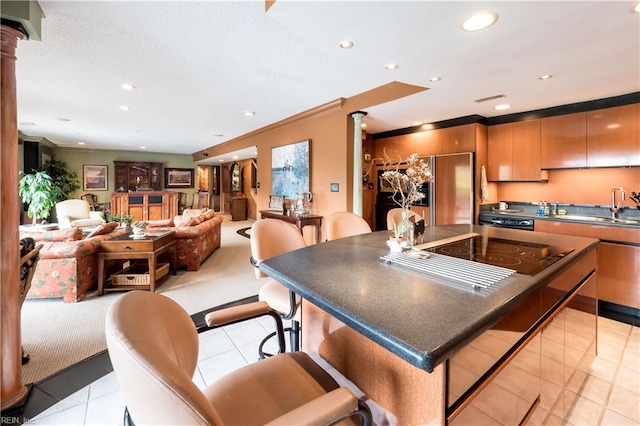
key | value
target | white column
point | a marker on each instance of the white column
(357, 161)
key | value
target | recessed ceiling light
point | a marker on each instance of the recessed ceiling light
(417, 123)
(81, 143)
(391, 66)
(143, 147)
(346, 44)
(127, 86)
(125, 107)
(27, 123)
(545, 77)
(635, 9)
(221, 160)
(501, 107)
(248, 113)
(63, 119)
(479, 21)
(433, 79)
(235, 157)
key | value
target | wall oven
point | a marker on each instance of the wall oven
(503, 221)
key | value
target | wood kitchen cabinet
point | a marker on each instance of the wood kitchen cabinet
(618, 258)
(428, 142)
(500, 153)
(459, 139)
(134, 176)
(514, 152)
(613, 136)
(563, 141)
(145, 205)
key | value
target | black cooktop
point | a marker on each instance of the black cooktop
(523, 257)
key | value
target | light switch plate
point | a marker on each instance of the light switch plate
(335, 187)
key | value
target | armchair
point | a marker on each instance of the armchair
(153, 346)
(77, 214)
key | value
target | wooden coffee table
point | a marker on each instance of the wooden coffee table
(125, 247)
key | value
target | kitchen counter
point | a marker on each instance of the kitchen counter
(593, 215)
(420, 319)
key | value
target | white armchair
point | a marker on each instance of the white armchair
(77, 214)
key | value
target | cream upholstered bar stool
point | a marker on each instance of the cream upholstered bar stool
(153, 346)
(270, 238)
(344, 224)
(395, 215)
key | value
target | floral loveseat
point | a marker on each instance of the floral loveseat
(68, 262)
(197, 233)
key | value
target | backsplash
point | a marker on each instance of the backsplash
(577, 186)
(530, 207)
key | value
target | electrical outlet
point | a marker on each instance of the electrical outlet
(335, 187)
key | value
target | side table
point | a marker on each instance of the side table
(299, 221)
(125, 247)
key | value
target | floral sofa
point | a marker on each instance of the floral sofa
(197, 233)
(68, 262)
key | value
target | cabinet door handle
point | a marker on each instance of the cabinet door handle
(127, 247)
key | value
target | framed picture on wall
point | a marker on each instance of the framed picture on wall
(290, 169)
(178, 178)
(94, 178)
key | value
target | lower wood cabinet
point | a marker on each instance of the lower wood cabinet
(618, 258)
(145, 205)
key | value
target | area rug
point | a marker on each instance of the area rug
(56, 335)
(245, 232)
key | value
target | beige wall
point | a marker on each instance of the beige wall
(76, 158)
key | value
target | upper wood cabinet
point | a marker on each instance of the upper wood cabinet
(428, 142)
(564, 141)
(500, 153)
(514, 152)
(459, 139)
(613, 136)
(133, 176)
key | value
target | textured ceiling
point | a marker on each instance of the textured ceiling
(197, 65)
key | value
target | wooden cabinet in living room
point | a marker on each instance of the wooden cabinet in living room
(134, 176)
(613, 136)
(563, 141)
(145, 205)
(514, 152)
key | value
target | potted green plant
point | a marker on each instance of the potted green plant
(40, 193)
(66, 181)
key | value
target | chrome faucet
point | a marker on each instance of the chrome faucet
(615, 208)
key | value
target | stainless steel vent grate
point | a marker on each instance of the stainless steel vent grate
(470, 274)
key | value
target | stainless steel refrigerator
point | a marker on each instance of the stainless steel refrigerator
(451, 197)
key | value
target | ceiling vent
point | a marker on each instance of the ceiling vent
(490, 98)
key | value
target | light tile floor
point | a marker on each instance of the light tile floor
(607, 394)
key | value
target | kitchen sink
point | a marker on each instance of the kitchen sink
(595, 219)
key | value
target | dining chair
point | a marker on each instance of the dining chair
(92, 199)
(153, 346)
(270, 238)
(344, 224)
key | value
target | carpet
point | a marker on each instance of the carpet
(56, 335)
(245, 232)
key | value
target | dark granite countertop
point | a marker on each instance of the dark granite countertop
(575, 213)
(421, 320)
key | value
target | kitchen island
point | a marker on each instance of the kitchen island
(395, 332)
